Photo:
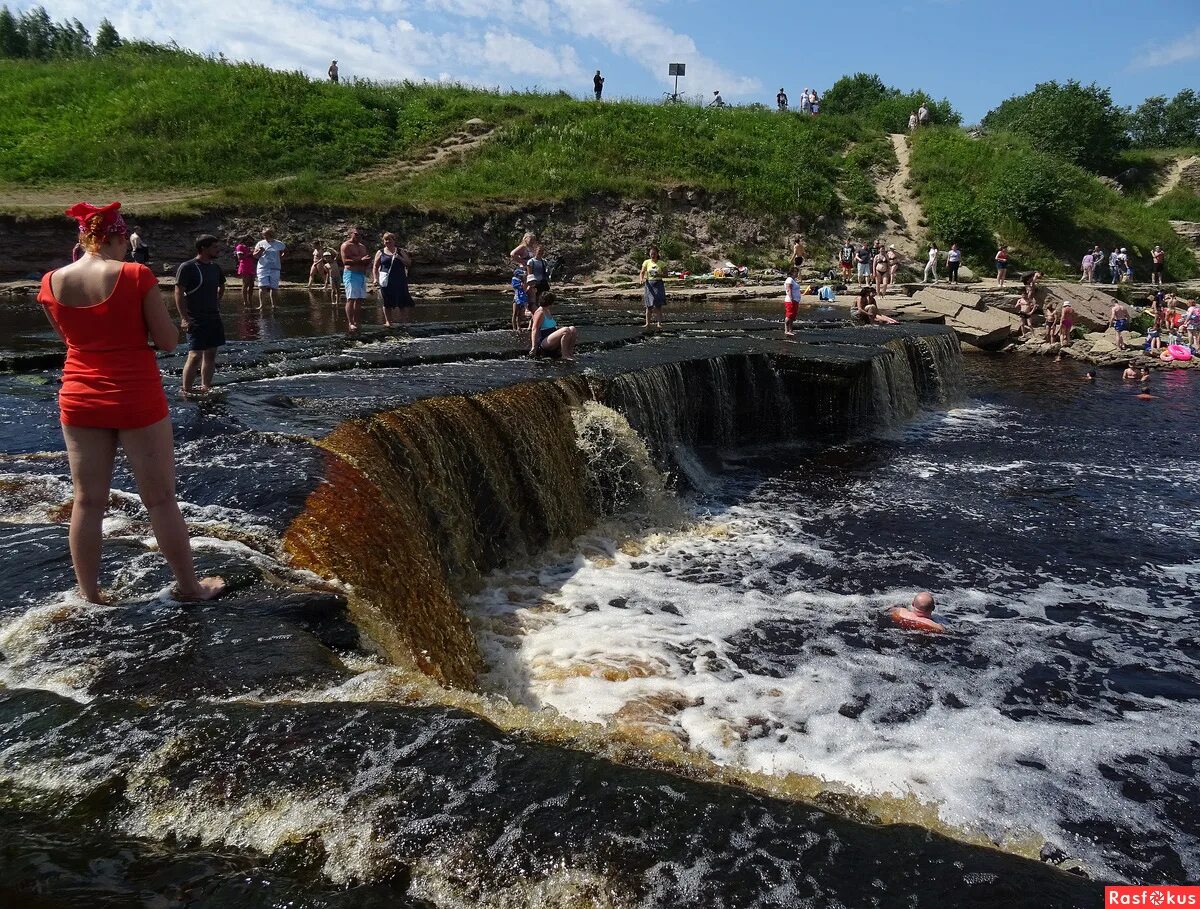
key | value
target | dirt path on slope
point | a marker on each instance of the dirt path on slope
(894, 191)
(1178, 166)
(473, 134)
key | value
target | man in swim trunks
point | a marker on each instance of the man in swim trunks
(1118, 318)
(919, 616)
(1157, 258)
(199, 288)
(356, 259)
(268, 256)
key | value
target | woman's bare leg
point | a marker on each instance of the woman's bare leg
(90, 453)
(151, 454)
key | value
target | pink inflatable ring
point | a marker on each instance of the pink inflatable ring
(1179, 352)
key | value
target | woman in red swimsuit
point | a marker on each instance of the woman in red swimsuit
(104, 309)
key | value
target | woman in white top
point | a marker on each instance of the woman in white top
(932, 264)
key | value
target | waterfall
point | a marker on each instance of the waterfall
(419, 503)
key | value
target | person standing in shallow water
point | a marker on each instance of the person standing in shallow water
(268, 255)
(245, 269)
(355, 262)
(654, 289)
(108, 312)
(390, 274)
(199, 287)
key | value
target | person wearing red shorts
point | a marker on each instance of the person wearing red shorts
(791, 300)
(107, 311)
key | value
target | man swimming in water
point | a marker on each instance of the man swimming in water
(918, 617)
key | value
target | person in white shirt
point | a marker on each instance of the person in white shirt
(923, 115)
(791, 300)
(932, 264)
(268, 258)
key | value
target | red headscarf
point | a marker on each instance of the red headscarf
(98, 222)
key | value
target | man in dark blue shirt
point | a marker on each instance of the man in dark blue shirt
(199, 287)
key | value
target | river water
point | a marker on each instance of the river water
(254, 753)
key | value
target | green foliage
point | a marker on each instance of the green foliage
(33, 35)
(862, 165)
(1002, 190)
(864, 95)
(1077, 123)
(1180, 204)
(1159, 123)
(1030, 188)
(107, 39)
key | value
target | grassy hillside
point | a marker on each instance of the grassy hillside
(998, 189)
(158, 119)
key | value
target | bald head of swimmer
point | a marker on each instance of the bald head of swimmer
(923, 603)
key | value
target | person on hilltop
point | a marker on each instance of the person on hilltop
(918, 617)
(814, 103)
(781, 101)
(389, 271)
(953, 261)
(547, 339)
(923, 115)
(333, 72)
(912, 122)
(355, 261)
(109, 312)
(654, 289)
(1001, 265)
(1118, 319)
(1158, 256)
(931, 265)
(199, 289)
(717, 100)
(243, 253)
(598, 84)
(268, 257)
(791, 301)
(805, 101)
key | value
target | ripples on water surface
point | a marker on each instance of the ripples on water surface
(1055, 522)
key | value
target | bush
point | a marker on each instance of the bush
(1029, 188)
(955, 217)
(1077, 123)
(864, 95)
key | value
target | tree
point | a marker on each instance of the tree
(1077, 123)
(12, 42)
(864, 95)
(856, 94)
(38, 31)
(107, 39)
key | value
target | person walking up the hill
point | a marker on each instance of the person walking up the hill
(390, 274)
(333, 72)
(931, 264)
(268, 253)
(912, 122)
(355, 262)
(1158, 257)
(199, 289)
(1001, 265)
(598, 84)
(923, 115)
(109, 312)
(1087, 267)
(781, 101)
(654, 289)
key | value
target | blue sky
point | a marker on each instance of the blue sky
(972, 52)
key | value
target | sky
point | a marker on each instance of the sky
(973, 52)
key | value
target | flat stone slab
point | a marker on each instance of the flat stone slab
(946, 302)
(1091, 304)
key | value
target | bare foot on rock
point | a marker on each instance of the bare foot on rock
(206, 589)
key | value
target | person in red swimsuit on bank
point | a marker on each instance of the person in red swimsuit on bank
(107, 311)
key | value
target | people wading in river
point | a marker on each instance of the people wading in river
(355, 262)
(546, 338)
(268, 254)
(316, 271)
(654, 290)
(199, 289)
(109, 312)
(390, 274)
(523, 252)
(244, 254)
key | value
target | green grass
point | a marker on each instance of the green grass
(953, 174)
(1180, 204)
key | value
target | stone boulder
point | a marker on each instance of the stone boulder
(973, 322)
(1091, 305)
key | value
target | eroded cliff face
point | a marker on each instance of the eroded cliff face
(598, 237)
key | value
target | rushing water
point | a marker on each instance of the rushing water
(656, 691)
(1055, 522)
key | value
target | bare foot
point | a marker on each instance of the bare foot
(206, 589)
(96, 596)
(186, 393)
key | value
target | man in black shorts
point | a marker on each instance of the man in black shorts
(199, 287)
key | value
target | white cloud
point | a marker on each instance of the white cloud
(512, 53)
(1186, 47)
